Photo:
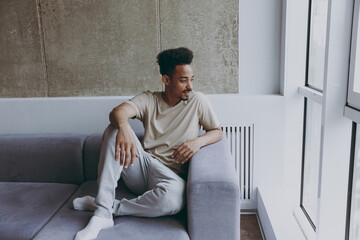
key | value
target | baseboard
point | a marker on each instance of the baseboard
(260, 226)
(276, 218)
(263, 216)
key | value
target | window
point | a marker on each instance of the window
(353, 224)
(354, 74)
(311, 159)
(316, 43)
(313, 108)
(353, 101)
(352, 111)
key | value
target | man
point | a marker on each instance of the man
(152, 170)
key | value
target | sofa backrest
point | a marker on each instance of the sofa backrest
(92, 148)
(42, 158)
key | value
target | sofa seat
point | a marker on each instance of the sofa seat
(25, 207)
(67, 222)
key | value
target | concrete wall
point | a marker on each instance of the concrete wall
(52, 48)
(22, 70)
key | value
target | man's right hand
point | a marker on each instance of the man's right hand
(125, 146)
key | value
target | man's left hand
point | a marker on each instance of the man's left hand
(185, 151)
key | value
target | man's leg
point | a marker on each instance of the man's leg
(109, 173)
(161, 191)
(165, 193)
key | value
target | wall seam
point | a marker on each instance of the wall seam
(42, 46)
(159, 23)
(238, 52)
(159, 35)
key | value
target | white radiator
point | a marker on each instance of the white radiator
(241, 139)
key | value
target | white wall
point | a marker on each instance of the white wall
(259, 47)
(85, 115)
(277, 201)
(267, 113)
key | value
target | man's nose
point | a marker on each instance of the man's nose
(189, 85)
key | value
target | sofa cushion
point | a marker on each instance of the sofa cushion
(26, 207)
(67, 222)
(135, 228)
(42, 158)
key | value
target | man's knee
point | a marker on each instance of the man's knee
(171, 201)
(109, 134)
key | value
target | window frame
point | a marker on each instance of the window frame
(352, 110)
(353, 98)
(316, 96)
(307, 84)
(302, 207)
(351, 179)
(311, 93)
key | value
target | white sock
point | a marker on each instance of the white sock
(93, 228)
(84, 203)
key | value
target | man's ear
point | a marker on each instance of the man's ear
(166, 80)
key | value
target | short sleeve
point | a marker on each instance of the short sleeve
(141, 104)
(207, 116)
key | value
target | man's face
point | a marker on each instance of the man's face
(181, 82)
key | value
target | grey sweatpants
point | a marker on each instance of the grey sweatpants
(161, 191)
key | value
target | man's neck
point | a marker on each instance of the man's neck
(168, 99)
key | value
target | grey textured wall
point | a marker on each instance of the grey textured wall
(52, 48)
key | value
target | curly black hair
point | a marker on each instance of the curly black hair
(170, 58)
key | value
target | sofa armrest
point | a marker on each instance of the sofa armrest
(213, 194)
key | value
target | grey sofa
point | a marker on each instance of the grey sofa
(41, 174)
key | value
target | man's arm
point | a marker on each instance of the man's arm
(186, 150)
(125, 145)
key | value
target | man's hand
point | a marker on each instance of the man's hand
(125, 146)
(185, 151)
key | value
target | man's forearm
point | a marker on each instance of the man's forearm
(120, 115)
(125, 145)
(210, 137)
(186, 150)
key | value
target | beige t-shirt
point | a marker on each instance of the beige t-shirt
(167, 127)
